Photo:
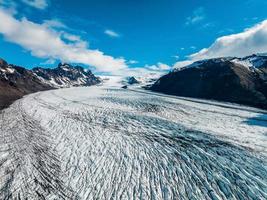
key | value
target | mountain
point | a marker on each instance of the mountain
(146, 80)
(66, 75)
(130, 80)
(16, 81)
(231, 79)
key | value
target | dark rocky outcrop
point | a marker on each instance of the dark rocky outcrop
(132, 80)
(223, 79)
(16, 82)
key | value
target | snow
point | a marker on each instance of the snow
(63, 82)
(65, 67)
(250, 62)
(245, 63)
(8, 70)
(103, 142)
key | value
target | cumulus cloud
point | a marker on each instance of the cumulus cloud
(158, 67)
(49, 62)
(176, 57)
(155, 70)
(39, 4)
(45, 42)
(139, 72)
(197, 16)
(111, 33)
(182, 64)
(133, 62)
(163, 66)
(54, 23)
(250, 41)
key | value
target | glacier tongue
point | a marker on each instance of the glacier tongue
(108, 143)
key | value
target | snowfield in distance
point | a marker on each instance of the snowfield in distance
(104, 142)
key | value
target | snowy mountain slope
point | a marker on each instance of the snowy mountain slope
(66, 75)
(148, 78)
(251, 62)
(102, 142)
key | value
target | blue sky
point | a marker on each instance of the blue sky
(141, 33)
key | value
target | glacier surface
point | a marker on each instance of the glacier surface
(104, 142)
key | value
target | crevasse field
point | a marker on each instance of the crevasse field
(104, 142)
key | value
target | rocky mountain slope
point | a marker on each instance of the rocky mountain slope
(16, 81)
(66, 75)
(237, 80)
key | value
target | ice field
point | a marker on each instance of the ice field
(104, 142)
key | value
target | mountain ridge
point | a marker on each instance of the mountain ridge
(66, 75)
(231, 79)
(17, 81)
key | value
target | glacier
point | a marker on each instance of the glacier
(104, 142)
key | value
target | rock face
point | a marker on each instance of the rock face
(66, 75)
(16, 81)
(237, 80)
(132, 80)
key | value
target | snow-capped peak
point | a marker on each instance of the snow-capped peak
(66, 75)
(250, 62)
(253, 61)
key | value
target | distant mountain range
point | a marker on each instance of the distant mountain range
(144, 81)
(66, 75)
(231, 79)
(16, 81)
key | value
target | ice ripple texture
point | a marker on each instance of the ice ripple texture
(109, 143)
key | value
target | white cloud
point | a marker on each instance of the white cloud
(250, 41)
(49, 62)
(176, 57)
(158, 67)
(140, 72)
(73, 38)
(181, 64)
(133, 62)
(197, 16)
(54, 23)
(152, 71)
(156, 70)
(46, 42)
(39, 4)
(111, 33)
(163, 66)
